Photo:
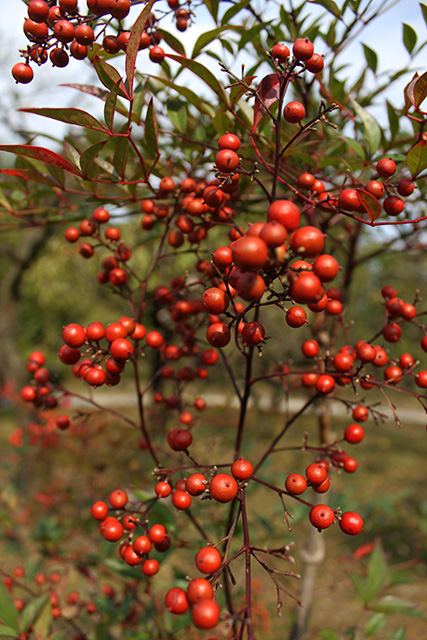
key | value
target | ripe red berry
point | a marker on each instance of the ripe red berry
(199, 589)
(360, 413)
(421, 379)
(196, 484)
(294, 112)
(325, 384)
(253, 333)
(315, 64)
(393, 205)
(163, 489)
(281, 53)
(22, 72)
(350, 465)
(386, 167)
(308, 241)
(242, 469)
(157, 54)
(142, 545)
(285, 212)
(296, 484)
(227, 160)
(218, 334)
(176, 601)
(316, 473)
(150, 567)
(351, 523)
(303, 49)
(111, 529)
(354, 433)
(208, 559)
(181, 500)
(310, 348)
(229, 141)
(118, 499)
(205, 614)
(296, 317)
(223, 487)
(321, 516)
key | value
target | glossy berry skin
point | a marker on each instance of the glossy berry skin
(296, 317)
(118, 499)
(227, 160)
(315, 64)
(223, 487)
(176, 601)
(249, 253)
(351, 523)
(303, 49)
(316, 473)
(218, 334)
(350, 465)
(386, 167)
(142, 545)
(99, 510)
(326, 267)
(286, 212)
(22, 73)
(295, 484)
(308, 241)
(112, 530)
(157, 54)
(181, 500)
(150, 567)
(215, 301)
(229, 141)
(325, 384)
(281, 53)
(393, 205)
(354, 433)
(208, 559)
(73, 335)
(310, 348)
(360, 413)
(306, 289)
(242, 469)
(294, 112)
(205, 614)
(199, 589)
(321, 516)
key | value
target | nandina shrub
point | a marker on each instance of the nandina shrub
(219, 218)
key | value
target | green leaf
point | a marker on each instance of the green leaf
(108, 75)
(173, 42)
(330, 6)
(222, 122)
(42, 154)
(121, 155)
(27, 174)
(206, 38)
(423, 8)
(371, 57)
(151, 129)
(393, 120)
(361, 587)
(7, 632)
(178, 117)
(393, 604)
(88, 156)
(8, 611)
(400, 634)
(377, 570)
(212, 6)
(124, 570)
(110, 105)
(233, 11)
(409, 38)
(43, 622)
(353, 144)
(370, 125)
(189, 95)
(375, 623)
(133, 48)
(416, 158)
(73, 154)
(32, 610)
(327, 634)
(70, 116)
(202, 72)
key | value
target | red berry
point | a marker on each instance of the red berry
(294, 112)
(157, 54)
(205, 614)
(242, 469)
(386, 167)
(22, 72)
(354, 433)
(303, 49)
(351, 523)
(118, 499)
(229, 141)
(281, 53)
(208, 559)
(295, 484)
(285, 212)
(316, 473)
(181, 500)
(321, 516)
(296, 317)
(176, 601)
(223, 487)
(199, 589)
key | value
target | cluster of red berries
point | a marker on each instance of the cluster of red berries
(58, 30)
(18, 581)
(40, 392)
(135, 549)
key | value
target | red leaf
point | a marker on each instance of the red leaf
(42, 154)
(409, 93)
(133, 46)
(268, 91)
(372, 207)
(416, 158)
(26, 174)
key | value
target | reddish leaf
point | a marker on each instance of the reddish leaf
(420, 90)
(27, 174)
(416, 158)
(409, 93)
(70, 116)
(268, 91)
(42, 154)
(133, 46)
(109, 76)
(372, 207)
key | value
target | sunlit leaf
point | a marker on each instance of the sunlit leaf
(375, 623)
(70, 116)
(189, 95)
(43, 622)
(370, 125)
(371, 57)
(353, 144)
(423, 8)
(416, 158)
(420, 90)
(109, 75)
(173, 42)
(233, 11)
(133, 47)
(110, 106)
(329, 5)
(42, 154)
(377, 567)
(7, 632)
(206, 38)
(409, 38)
(32, 610)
